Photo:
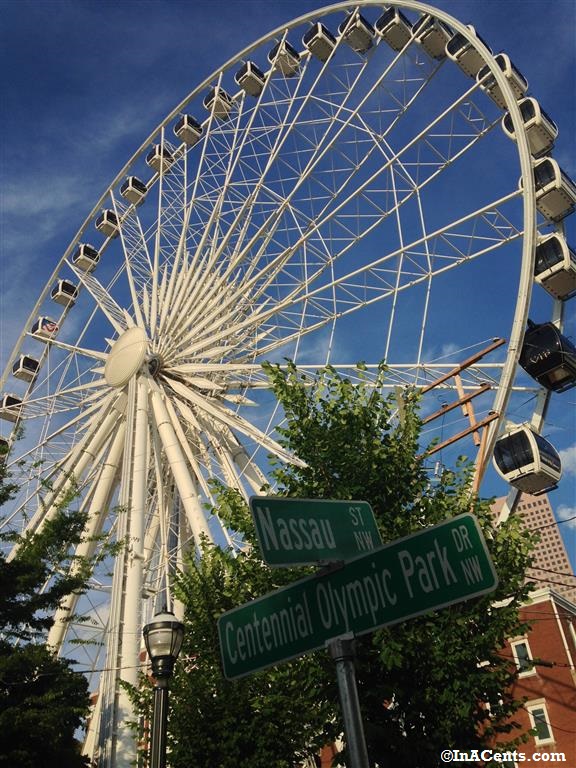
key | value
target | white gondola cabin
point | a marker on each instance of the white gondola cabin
(555, 268)
(555, 190)
(160, 158)
(219, 103)
(44, 328)
(250, 78)
(432, 35)
(85, 257)
(357, 32)
(319, 41)
(549, 357)
(188, 130)
(10, 407)
(107, 223)
(462, 51)
(527, 461)
(541, 130)
(64, 293)
(26, 368)
(285, 58)
(394, 28)
(514, 77)
(134, 190)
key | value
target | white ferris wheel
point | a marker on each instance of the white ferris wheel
(342, 190)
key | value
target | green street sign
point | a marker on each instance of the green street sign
(434, 568)
(305, 531)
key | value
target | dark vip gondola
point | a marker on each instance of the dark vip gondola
(134, 190)
(549, 357)
(515, 78)
(541, 130)
(394, 28)
(527, 461)
(357, 32)
(285, 58)
(188, 130)
(319, 41)
(432, 35)
(250, 78)
(10, 407)
(460, 50)
(555, 268)
(85, 257)
(25, 368)
(107, 223)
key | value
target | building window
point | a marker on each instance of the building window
(523, 658)
(539, 721)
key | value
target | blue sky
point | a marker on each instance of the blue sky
(84, 82)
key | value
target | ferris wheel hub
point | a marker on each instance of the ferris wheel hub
(126, 357)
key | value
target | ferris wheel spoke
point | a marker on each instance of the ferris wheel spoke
(324, 146)
(67, 400)
(79, 458)
(239, 457)
(136, 256)
(107, 305)
(102, 488)
(231, 420)
(176, 458)
(185, 443)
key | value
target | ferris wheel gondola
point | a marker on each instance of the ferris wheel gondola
(527, 461)
(549, 357)
(555, 267)
(539, 127)
(514, 78)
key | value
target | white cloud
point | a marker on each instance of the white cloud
(568, 459)
(566, 513)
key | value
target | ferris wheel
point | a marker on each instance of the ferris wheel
(366, 183)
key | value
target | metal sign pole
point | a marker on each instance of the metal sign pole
(341, 649)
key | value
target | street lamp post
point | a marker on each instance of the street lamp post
(163, 637)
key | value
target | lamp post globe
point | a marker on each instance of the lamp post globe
(163, 637)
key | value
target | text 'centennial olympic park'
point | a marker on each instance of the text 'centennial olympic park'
(438, 566)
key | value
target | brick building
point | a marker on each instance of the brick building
(545, 659)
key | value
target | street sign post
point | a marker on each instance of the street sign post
(434, 568)
(307, 531)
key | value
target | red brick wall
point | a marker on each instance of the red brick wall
(556, 684)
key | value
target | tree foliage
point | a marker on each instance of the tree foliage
(43, 701)
(424, 684)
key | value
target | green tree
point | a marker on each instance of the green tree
(424, 684)
(43, 701)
